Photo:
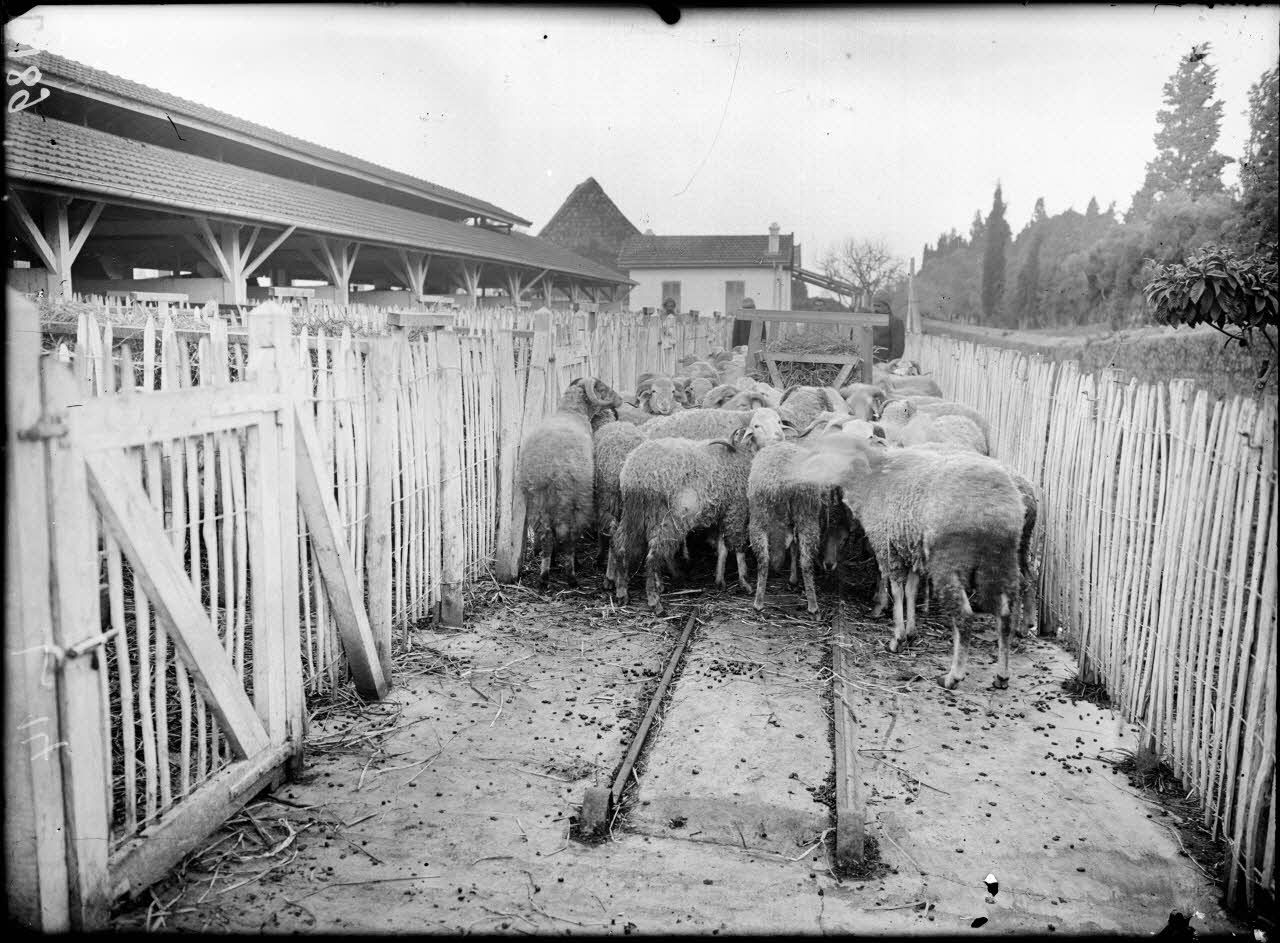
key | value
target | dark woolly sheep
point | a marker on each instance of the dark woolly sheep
(612, 443)
(671, 487)
(556, 472)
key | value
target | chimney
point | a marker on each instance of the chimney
(773, 238)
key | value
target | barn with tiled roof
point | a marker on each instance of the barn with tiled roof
(106, 175)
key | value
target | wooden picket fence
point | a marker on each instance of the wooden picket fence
(289, 495)
(1160, 526)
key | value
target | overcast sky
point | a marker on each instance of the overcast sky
(892, 123)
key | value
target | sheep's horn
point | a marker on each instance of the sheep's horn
(725, 442)
(589, 388)
(789, 391)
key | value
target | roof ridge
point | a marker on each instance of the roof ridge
(261, 131)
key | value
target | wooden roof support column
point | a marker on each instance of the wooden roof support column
(337, 259)
(54, 244)
(470, 272)
(412, 270)
(516, 286)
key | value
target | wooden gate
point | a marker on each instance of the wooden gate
(153, 677)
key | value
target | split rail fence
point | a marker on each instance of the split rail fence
(213, 522)
(1159, 525)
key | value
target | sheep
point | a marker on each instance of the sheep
(611, 445)
(754, 399)
(951, 516)
(717, 396)
(698, 389)
(892, 384)
(556, 471)
(670, 487)
(960, 431)
(864, 400)
(702, 369)
(902, 367)
(787, 511)
(902, 411)
(656, 394)
(801, 404)
(632, 415)
(698, 424)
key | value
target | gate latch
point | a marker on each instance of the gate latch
(43, 429)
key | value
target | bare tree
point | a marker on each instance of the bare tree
(867, 265)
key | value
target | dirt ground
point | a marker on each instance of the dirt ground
(448, 808)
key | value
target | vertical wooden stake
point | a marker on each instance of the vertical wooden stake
(452, 557)
(273, 363)
(73, 527)
(36, 888)
(377, 550)
(850, 809)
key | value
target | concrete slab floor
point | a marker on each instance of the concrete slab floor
(457, 819)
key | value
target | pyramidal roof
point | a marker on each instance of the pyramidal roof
(590, 224)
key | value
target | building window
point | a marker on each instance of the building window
(670, 290)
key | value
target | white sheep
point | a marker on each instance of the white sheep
(953, 517)
(788, 511)
(800, 404)
(556, 472)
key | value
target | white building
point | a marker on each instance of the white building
(710, 274)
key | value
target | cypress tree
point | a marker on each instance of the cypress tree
(998, 238)
(1188, 131)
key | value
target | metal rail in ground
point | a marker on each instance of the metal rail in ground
(598, 803)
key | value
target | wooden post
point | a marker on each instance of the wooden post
(272, 478)
(511, 413)
(73, 530)
(850, 809)
(533, 409)
(34, 823)
(452, 555)
(380, 368)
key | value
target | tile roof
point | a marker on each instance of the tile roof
(55, 153)
(647, 251)
(590, 224)
(78, 74)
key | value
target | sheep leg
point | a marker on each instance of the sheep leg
(652, 581)
(806, 569)
(928, 594)
(760, 546)
(602, 544)
(548, 548)
(960, 622)
(794, 579)
(913, 584)
(741, 557)
(899, 631)
(1005, 619)
(882, 595)
(722, 555)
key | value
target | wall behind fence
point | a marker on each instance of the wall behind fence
(1159, 523)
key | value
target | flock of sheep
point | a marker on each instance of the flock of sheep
(789, 473)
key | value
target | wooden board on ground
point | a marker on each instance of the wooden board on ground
(850, 808)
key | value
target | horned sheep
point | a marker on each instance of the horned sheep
(556, 471)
